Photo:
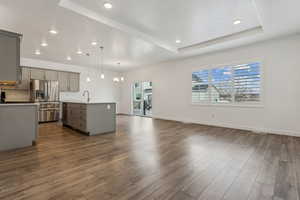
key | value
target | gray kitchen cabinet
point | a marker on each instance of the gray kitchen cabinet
(24, 84)
(19, 125)
(69, 81)
(90, 118)
(63, 79)
(74, 82)
(9, 56)
(51, 75)
(38, 74)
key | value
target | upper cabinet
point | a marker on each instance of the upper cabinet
(69, 81)
(9, 56)
(38, 74)
(63, 78)
(24, 84)
(74, 82)
(51, 75)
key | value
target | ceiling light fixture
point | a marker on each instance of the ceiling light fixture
(178, 41)
(88, 79)
(37, 52)
(69, 58)
(102, 76)
(79, 52)
(44, 44)
(116, 79)
(122, 77)
(52, 31)
(107, 5)
(236, 22)
(94, 43)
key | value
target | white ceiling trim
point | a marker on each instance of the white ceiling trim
(75, 7)
(257, 12)
(227, 38)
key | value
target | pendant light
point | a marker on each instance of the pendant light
(102, 76)
(122, 77)
(116, 79)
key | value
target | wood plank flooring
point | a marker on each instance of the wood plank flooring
(153, 159)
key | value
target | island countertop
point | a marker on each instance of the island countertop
(85, 102)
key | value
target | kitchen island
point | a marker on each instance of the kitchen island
(18, 125)
(91, 118)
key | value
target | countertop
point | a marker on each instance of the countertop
(88, 103)
(18, 104)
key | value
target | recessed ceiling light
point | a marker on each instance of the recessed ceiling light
(44, 44)
(107, 5)
(94, 43)
(178, 41)
(52, 31)
(37, 52)
(69, 58)
(79, 52)
(236, 22)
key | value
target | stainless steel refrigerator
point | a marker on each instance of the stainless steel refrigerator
(46, 93)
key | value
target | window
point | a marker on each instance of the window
(228, 84)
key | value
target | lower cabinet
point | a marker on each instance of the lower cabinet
(74, 115)
(90, 118)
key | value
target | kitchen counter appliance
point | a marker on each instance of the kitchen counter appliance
(46, 93)
(3, 97)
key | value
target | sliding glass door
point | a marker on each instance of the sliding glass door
(142, 99)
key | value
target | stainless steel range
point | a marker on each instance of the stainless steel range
(46, 93)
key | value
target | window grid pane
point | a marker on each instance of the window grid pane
(247, 81)
(200, 86)
(221, 85)
(229, 84)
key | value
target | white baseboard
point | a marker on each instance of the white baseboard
(233, 126)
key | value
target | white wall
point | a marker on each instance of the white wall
(172, 88)
(100, 90)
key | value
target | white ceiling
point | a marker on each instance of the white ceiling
(142, 32)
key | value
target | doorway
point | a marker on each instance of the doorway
(142, 99)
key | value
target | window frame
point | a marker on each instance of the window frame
(210, 67)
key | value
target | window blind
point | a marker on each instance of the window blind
(228, 84)
(200, 86)
(247, 82)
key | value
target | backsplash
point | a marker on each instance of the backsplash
(17, 95)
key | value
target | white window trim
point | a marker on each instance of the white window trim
(259, 104)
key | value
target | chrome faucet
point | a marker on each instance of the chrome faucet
(88, 93)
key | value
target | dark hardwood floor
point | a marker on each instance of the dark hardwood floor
(153, 159)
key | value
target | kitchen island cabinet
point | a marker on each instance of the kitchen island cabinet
(18, 125)
(90, 118)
